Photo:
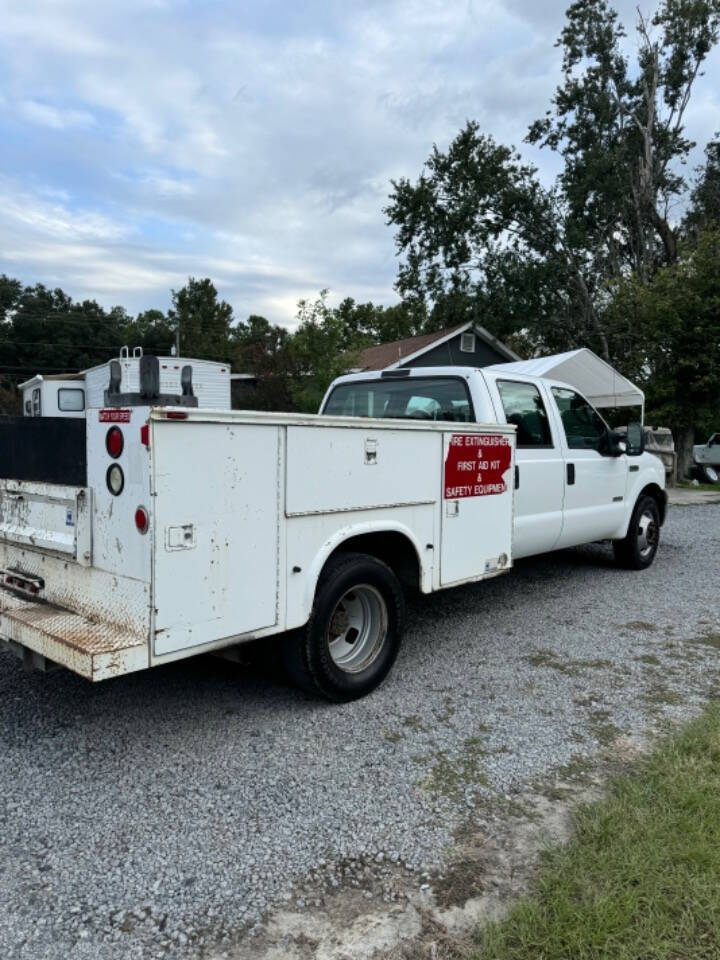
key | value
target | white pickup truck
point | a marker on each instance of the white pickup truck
(153, 530)
(576, 481)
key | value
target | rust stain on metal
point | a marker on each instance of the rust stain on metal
(67, 628)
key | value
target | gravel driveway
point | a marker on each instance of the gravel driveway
(162, 814)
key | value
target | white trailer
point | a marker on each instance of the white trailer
(53, 396)
(69, 395)
(210, 380)
(196, 530)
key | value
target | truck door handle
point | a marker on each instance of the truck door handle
(570, 473)
(517, 477)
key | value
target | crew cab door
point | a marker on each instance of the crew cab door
(594, 481)
(539, 475)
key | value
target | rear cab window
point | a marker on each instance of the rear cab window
(409, 398)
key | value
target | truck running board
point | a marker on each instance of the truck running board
(93, 649)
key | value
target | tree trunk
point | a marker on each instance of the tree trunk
(667, 235)
(684, 440)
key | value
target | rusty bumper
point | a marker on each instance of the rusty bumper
(93, 649)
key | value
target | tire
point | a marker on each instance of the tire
(353, 636)
(707, 474)
(636, 551)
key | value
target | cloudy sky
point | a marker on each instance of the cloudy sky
(253, 142)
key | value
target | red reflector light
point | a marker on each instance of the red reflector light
(142, 520)
(176, 415)
(114, 442)
(145, 435)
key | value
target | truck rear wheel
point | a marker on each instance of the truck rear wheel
(637, 549)
(353, 636)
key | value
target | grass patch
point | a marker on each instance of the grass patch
(451, 778)
(640, 625)
(708, 640)
(641, 879)
(660, 695)
(708, 487)
(544, 657)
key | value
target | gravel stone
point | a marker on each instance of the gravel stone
(164, 814)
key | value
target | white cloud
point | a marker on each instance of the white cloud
(253, 143)
(57, 118)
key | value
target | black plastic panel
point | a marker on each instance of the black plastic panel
(44, 450)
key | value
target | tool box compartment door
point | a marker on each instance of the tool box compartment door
(476, 506)
(215, 531)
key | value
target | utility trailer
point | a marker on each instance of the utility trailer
(191, 531)
(68, 395)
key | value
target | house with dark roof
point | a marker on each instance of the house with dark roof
(468, 345)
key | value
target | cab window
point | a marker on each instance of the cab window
(412, 398)
(525, 409)
(584, 428)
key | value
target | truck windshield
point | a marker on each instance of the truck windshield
(414, 398)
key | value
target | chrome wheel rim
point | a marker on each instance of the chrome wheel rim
(357, 628)
(647, 534)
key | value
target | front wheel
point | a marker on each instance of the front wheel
(637, 549)
(353, 636)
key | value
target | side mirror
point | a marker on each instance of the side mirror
(615, 445)
(635, 440)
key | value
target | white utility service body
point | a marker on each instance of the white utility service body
(244, 511)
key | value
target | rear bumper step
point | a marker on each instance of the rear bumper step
(93, 649)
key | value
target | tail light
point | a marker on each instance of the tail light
(114, 442)
(142, 520)
(115, 479)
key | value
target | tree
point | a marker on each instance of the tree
(704, 210)
(672, 329)
(203, 320)
(478, 203)
(153, 331)
(263, 349)
(478, 228)
(322, 349)
(620, 131)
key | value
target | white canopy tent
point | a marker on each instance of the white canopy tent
(599, 382)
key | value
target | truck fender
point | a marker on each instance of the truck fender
(646, 482)
(298, 617)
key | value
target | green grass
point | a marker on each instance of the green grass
(710, 487)
(641, 879)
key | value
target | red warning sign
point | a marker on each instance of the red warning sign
(475, 465)
(114, 416)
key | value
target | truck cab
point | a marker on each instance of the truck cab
(576, 481)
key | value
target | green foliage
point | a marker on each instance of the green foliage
(323, 347)
(203, 319)
(670, 328)
(704, 208)
(45, 331)
(480, 235)
(641, 877)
